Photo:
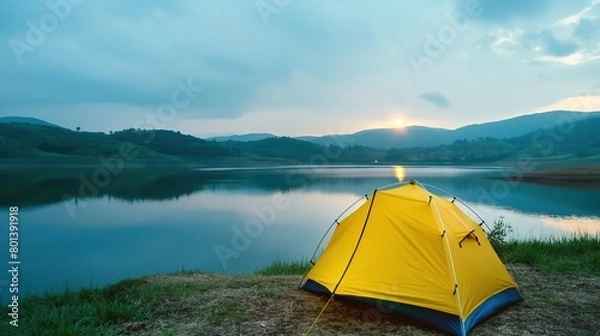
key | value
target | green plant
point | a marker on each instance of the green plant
(499, 231)
(281, 267)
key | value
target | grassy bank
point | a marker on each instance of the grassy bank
(560, 280)
(577, 255)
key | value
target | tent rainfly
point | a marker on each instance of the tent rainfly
(418, 253)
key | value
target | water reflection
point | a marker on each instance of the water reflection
(573, 224)
(30, 188)
(399, 173)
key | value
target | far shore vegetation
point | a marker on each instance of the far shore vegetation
(27, 144)
(560, 279)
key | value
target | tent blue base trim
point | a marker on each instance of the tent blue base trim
(449, 323)
(492, 305)
(315, 287)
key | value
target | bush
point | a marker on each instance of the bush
(500, 230)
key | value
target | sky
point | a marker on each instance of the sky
(295, 67)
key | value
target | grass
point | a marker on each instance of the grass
(88, 311)
(577, 255)
(281, 267)
(560, 279)
(127, 305)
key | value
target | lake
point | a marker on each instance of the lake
(78, 229)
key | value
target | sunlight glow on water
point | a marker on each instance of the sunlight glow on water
(575, 225)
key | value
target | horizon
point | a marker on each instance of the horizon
(396, 127)
(296, 68)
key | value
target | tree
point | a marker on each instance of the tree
(78, 129)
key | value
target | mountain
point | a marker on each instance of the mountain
(420, 136)
(25, 120)
(520, 125)
(243, 137)
(576, 141)
(411, 136)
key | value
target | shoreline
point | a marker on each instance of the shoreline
(551, 169)
(578, 176)
(560, 280)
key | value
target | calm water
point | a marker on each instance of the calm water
(233, 221)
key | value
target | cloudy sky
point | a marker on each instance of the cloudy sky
(293, 67)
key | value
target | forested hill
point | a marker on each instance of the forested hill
(421, 136)
(576, 140)
(25, 120)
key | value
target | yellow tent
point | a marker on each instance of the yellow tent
(419, 253)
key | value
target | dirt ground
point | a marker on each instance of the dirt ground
(271, 305)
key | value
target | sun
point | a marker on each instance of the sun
(399, 122)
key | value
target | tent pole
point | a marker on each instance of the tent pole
(362, 232)
(335, 221)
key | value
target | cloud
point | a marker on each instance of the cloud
(570, 40)
(589, 11)
(587, 29)
(553, 47)
(326, 61)
(586, 23)
(544, 43)
(504, 41)
(572, 59)
(499, 11)
(138, 56)
(436, 98)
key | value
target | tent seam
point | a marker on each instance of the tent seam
(452, 266)
(357, 243)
